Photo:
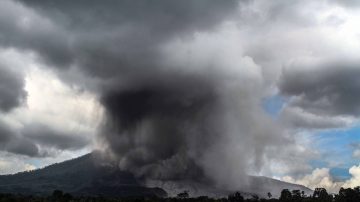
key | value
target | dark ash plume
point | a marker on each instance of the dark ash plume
(197, 119)
(156, 126)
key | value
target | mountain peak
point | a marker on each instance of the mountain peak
(78, 176)
(91, 175)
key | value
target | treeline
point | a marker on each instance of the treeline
(319, 195)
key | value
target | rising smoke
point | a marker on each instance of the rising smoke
(178, 127)
(173, 111)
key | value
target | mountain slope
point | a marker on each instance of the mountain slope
(80, 176)
(257, 185)
(262, 185)
(90, 176)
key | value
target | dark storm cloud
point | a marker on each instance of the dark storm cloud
(38, 140)
(327, 88)
(107, 38)
(23, 146)
(53, 138)
(162, 16)
(12, 142)
(25, 30)
(12, 92)
(5, 132)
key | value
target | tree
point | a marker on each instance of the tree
(255, 197)
(67, 197)
(285, 195)
(296, 195)
(357, 189)
(57, 194)
(348, 195)
(236, 197)
(322, 195)
(183, 195)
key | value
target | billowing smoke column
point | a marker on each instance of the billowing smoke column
(179, 103)
(160, 127)
(176, 126)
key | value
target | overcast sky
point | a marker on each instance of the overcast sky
(272, 86)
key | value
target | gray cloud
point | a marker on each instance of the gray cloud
(23, 146)
(5, 132)
(297, 118)
(12, 92)
(349, 3)
(37, 140)
(54, 138)
(356, 150)
(26, 30)
(107, 45)
(325, 88)
(356, 153)
(13, 142)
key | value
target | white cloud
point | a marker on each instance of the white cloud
(49, 100)
(10, 164)
(52, 102)
(321, 177)
(355, 179)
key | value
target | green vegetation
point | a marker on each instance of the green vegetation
(319, 195)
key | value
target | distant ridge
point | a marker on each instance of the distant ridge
(79, 176)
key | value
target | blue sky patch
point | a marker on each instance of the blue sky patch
(335, 147)
(273, 105)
